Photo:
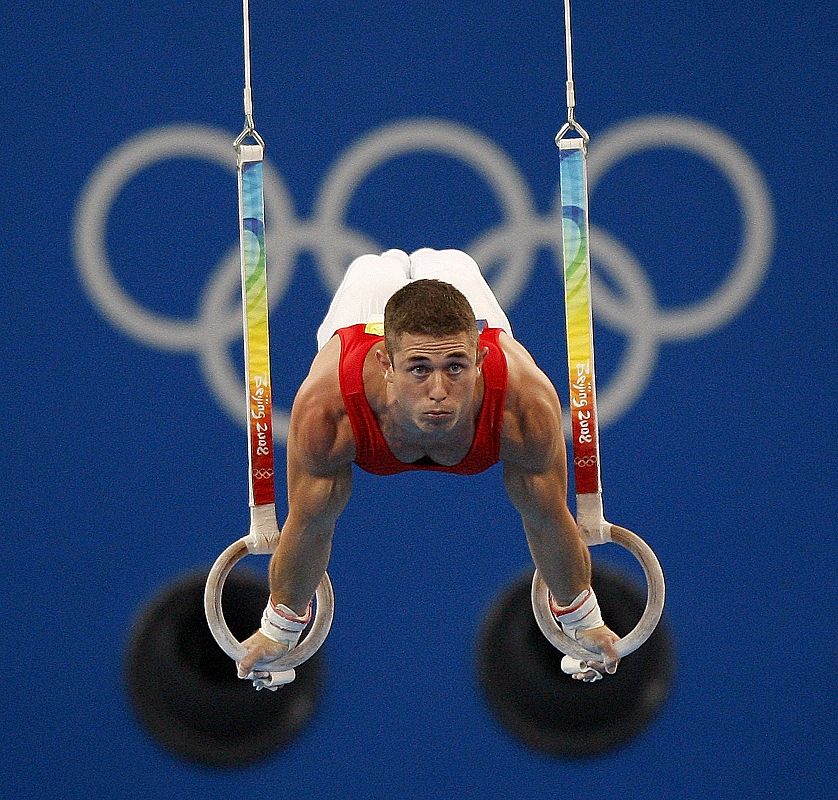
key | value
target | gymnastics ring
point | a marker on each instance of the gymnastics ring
(324, 613)
(645, 626)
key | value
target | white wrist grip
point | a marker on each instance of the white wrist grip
(281, 624)
(581, 615)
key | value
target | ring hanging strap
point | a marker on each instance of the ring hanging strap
(576, 257)
(255, 294)
(264, 531)
(255, 316)
(580, 333)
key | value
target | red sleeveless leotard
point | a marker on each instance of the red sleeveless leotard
(372, 453)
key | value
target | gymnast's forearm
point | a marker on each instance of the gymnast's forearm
(559, 554)
(298, 563)
(315, 502)
(552, 534)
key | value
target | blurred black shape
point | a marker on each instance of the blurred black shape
(521, 677)
(184, 689)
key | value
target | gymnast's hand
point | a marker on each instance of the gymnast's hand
(582, 621)
(600, 640)
(260, 649)
(280, 631)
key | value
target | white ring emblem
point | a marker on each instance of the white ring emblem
(510, 248)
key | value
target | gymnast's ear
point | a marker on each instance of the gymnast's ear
(385, 363)
(481, 356)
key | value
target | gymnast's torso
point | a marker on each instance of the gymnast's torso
(524, 427)
(373, 453)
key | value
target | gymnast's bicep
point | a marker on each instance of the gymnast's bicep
(319, 458)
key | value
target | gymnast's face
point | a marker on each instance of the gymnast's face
(432, 381)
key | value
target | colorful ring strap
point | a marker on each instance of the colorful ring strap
(255, 314)
(580, 327)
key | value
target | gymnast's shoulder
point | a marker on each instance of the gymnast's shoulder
(320, 433)
(532, 426)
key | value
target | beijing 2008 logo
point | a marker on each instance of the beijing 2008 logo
(511, 246)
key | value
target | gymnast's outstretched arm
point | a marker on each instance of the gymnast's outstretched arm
(319, 485)
(535, 476)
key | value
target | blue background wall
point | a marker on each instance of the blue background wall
(124, 459)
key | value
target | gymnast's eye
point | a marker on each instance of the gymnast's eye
(456, 368)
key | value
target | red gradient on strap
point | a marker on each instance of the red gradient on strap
(585, 429)
(261, 443)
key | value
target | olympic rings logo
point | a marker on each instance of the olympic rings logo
(263, 474)
(585, 461)
(510, 247)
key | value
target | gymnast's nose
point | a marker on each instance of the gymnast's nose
(438, 390)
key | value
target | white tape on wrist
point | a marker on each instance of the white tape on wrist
(281, 624)
(581, 615)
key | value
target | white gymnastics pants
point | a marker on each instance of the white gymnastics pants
(372, 280)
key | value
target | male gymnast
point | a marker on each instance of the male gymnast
(441, 385)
